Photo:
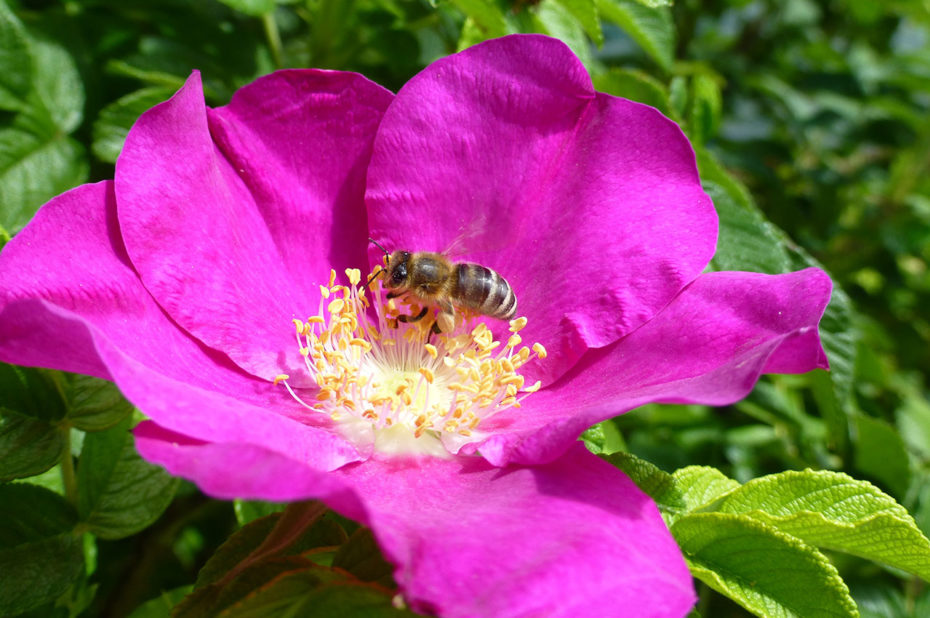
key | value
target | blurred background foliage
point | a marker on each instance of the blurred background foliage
(811, 121)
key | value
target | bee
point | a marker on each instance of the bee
(435, 280)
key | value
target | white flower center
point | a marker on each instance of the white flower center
(384, 382)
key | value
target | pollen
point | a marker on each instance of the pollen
(396, 384)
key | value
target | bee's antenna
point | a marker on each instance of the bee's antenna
(373, 275)
(377, 244)
(380, 268)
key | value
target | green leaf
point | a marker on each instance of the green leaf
(113, 124)
(706, 106)
(317, 593)
(29, 513)
(913, 421)
(838, 331)
(244, 585)
(604, 438)
(876, 599)
(248, 511)
(585, 12)
(27, 446)
(746, 241)
(29, 392)
(119, 493)
(256, 8)
(880, 452)
(553, 18)
(40, 557)
(634, 85)
(766, 571)
(15, 61)
(712, 170)
(157, 76)
(94, 404)
(839, 337)
(362, 557)
(835, 511)
(259, 552)
(161, 606)
(57, 85)
(236, 549)
(701, 485)
(34, 168)
(253, 538)
(651, 27)
(50, 480)
(657, 484)
(485, 15)
(678, 96)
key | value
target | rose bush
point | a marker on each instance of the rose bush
(179, 281)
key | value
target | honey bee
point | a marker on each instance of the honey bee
(435, 280)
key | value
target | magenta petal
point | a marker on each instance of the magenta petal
(301, 140)
(70, 300)
(589, 205)
(572, 538)
(243, 470)
(708, 346)
(71, 231)
(215, 245)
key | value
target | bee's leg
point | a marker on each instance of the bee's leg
(434, 330)
(413, 318)
(445, 321)
(395, 294)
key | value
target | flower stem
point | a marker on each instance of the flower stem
(68, 477)
(274, 38)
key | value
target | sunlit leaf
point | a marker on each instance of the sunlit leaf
(650, 27)
(585, 12)
(768, 572)
(15, 61)
(635, 85)
(834, 511)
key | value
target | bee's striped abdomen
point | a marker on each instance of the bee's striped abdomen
(483, 290)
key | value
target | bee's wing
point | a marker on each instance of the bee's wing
(474, 238)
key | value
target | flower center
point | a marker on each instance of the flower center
(395, 385)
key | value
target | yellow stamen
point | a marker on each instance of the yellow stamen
(540, 350)
(535, 387)
(397, 376)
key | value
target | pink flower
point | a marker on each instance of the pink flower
(179, 281)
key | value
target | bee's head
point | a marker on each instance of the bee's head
(397, 269)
